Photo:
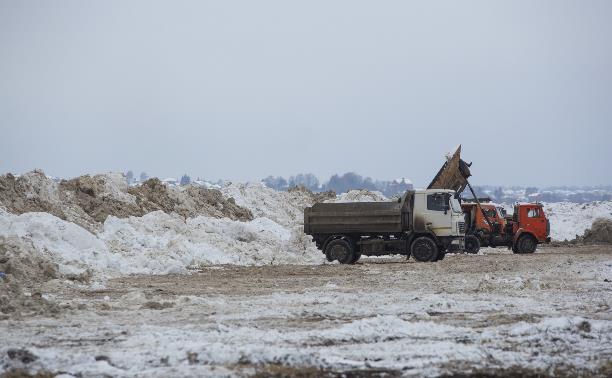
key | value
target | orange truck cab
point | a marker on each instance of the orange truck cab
(527, 228)
(530, 227)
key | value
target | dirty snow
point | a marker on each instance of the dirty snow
(567, 219)
(235, 314)
(157, 243)
(544, 314)
(362, 195)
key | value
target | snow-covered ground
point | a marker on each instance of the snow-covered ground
(246, 295)
(496, 313)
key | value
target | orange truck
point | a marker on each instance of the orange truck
(488, 226)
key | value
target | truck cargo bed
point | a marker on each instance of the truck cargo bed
(356, 217)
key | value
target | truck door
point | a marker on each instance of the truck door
(437, 213)
(534, 221)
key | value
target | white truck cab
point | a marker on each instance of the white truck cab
(439, 211)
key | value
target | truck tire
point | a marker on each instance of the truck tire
(341, 250)
(472, 244)
(424, 249)
(527, 244)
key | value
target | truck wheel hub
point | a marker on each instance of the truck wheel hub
(339, 252)
(423, 250)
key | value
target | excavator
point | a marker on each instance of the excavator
(486, 224)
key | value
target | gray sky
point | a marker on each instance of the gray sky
(244, 89)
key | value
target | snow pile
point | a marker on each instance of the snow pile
(188, 201)
(568, 220)
(170, 237)
(362, 195)
(156, 243)
(284, 208)
(74, 249)
(19, 263)
(89, 200)
(600, 232)
(166, 243)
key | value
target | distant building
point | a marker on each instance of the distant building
(404, 182)
(170, 181)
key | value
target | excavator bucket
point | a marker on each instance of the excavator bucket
(453, 174)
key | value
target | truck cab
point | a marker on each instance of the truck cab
(440, 211)
(530, 227)
(522, 231)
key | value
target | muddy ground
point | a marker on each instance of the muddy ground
(495, 314)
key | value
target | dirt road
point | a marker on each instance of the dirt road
(496, 313)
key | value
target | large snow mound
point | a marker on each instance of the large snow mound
(568, 220)
(89, 200)
(600, 232)
(170, 237)
(284, 208)
(157, 243)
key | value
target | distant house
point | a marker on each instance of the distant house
(404, 183)
(170, 181)
(394, 187)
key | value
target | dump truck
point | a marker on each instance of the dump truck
(424, 224)
(478, 232)
(489, 227)
(485, 224)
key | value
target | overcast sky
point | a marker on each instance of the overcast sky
(244, 89)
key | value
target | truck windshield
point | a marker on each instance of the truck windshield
(455, 205)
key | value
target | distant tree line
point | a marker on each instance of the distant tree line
(338, 183)
(341, 183)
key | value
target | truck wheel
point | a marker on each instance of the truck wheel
(515, 248)
(424, 249)
(527, 244)
(472, 244)
(340, 250)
